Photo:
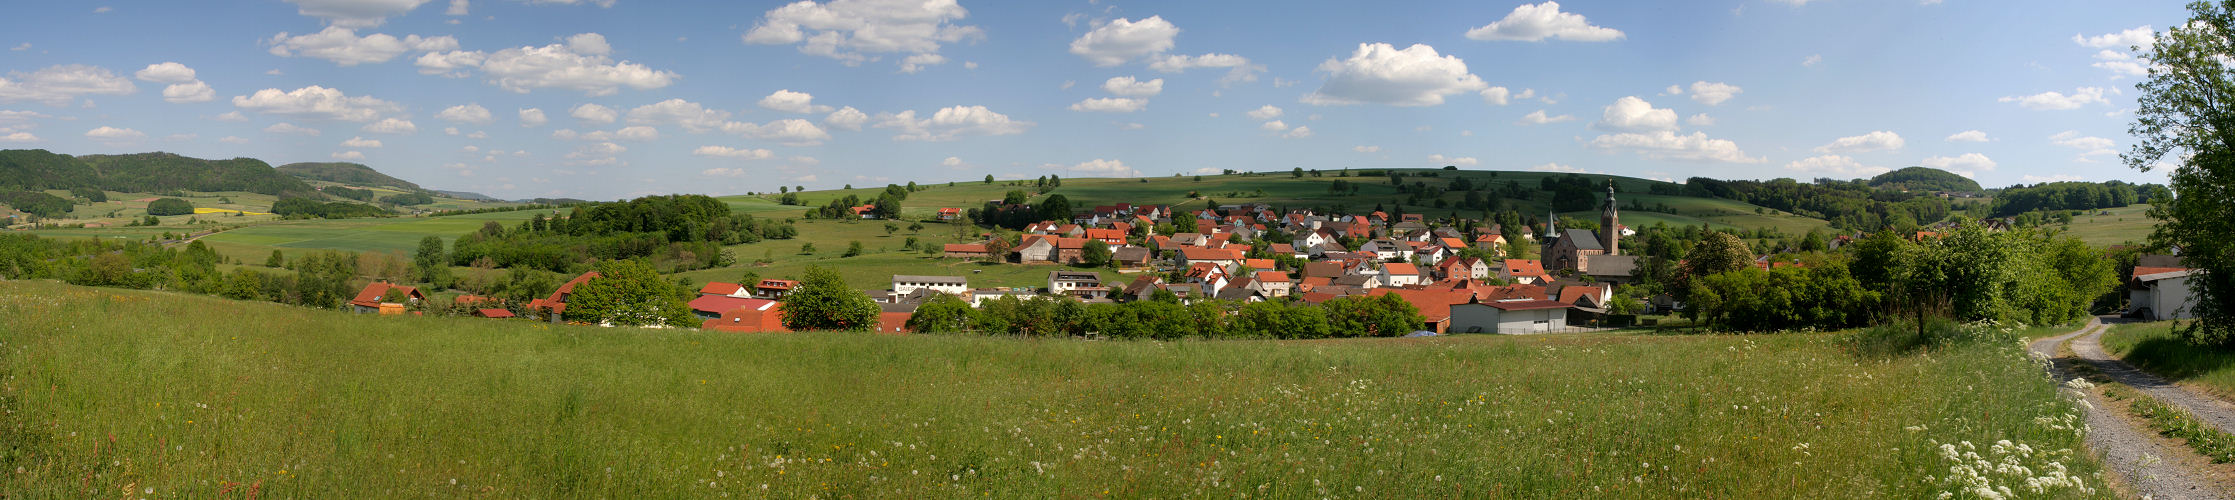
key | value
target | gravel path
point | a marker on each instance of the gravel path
(2130, 452)
(2208, 409)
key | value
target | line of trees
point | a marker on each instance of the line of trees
(676, 233)
(306, 208)
(2068, 196)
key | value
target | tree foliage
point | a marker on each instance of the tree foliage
(822, 301)
(2187, 113)
(169, 206)
(629, 293)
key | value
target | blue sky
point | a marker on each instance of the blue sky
(645, 97)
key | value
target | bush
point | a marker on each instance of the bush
(1903, 337)
(169, 206)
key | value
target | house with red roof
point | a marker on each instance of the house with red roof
(1223, 257)
(1464, 268)
(372, 298)
(2160, 289)
(1057, 249)
(774, 289)
(1491, 243)
(965, 251)
(709, 307)
(950, 214)
(761, 315)
(1272, 283)
(1510, 316)
(725, 289)
(1524, 271)
(1434, 305)
(554, 307)
(493, 313)
(1112, 236)
(1398, 274)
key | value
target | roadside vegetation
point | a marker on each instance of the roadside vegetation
(311, 403)
(2159, 349)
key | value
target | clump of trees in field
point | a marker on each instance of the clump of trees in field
(169, 206)
(676, 233)
(306, 208)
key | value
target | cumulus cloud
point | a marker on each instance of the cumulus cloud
(391, 126)
(1240, 69)
(949, 123)
(1128, 87)
(355, 13)
(1122, 40)
(1497, 95)
(58, 85)
(1539, 117)
(953, 162)
(2089, 146)
(1097, 168)
(2140, 36)
(1448, 160)
(2037, 179)
(792, 102)
(1633, 114)
(232, 139)
(290, 128)
(691, 116)
(637, 133)
(1835, 166)
(1379, 73)
(1967, 165)
(1700, 120)
(2058, 101)
(183, 88)
(316, 102)
(1668, 145)
(1266, 112)
(854, 31)
(846, 118)
(361, 142)
(349, 156)
(1110, 105)
(581, 64)
(1538, 22)
(113, 134)
(736, 153)
(789, 131)
(594, 114)
(1557, 167)
(18, 137)
(1366, 149)
(343, 46)
(1968, 136)
(2120, 64)
(1713, 94)
(467, 113)
(1880, 140)
(533, 117)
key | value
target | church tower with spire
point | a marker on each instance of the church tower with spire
(1610, 229)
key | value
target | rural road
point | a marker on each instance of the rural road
(2129, 451)
(2210, 410)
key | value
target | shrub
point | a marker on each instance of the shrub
(169, 206)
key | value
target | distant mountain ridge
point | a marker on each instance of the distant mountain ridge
(36, 169)
(353, 174)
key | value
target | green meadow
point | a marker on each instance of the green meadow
(112, 393)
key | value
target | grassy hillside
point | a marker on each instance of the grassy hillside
(308, 403)
(2120, 226)
(350, 174)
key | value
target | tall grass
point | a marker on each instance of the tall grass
(2154, 347)
(112, 392)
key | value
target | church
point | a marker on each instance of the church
(1596, 254)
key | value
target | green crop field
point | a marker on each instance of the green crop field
(2122, 226)
(100, 400)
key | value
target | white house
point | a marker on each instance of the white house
(903, 284)
(1509, 317)
(2162, 294)
(1399, 274)
(1085, 284)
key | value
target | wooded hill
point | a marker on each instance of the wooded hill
(351, 174)
(1924, 179)
(38, 169)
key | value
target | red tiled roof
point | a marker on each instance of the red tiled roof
(718, 304)
(1524, 267)
(893, 322)
(949, 211)
(1259, 264)
(557, 301)
(2145, 271)
(776, 284)
(719, 288)
(1199, 253)
(1454, 243)
(1400, 268)
(493, 313)
(1434, 305)
(370, 296)
(966, 247)
(1571, 294)
(1272, 276)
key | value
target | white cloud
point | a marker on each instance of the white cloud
(853, 31)
(467, 113)
(1700, 120)
(2037, 179)
(113, 134)
(450, 131)
(1273, 126)
(103, 9)
(349, 156)
(2143, 36)
(1097, 168)
(598, 154)
(20, 48)
(167, 72)
(1812, 60)
(950, 123)
(789, 131)
(2121, 65)
(1967, 165)
(582, 64)
(360, 142)
(691, 116)
(846, 118)
(730, 152)
(1632, 114)
(1497, 95)
(343, 46)
(1122, 40)
(1110, 105)
(1535, 23)
(290, 128)
(58, 85)
(1447, 160)
(918, 62)
(1297, 133)
(1665, 144)
(792, 102)
(1835, 166)
(594, 114)
(1880, 140)
(316, 102)
(231, 116)
(2057, 101)
(355, 13)
(638, 133)
(391, 126)
(7, 136)
(1968, 136)
(194, 91)
(1557, 167)
(2089, 146)
(533, 117)
(1242, 71)
(233, 139)
(952, 162)
(1366, 149)
(1379, 73)
(457, 8)
(1538, 117)
(1266, 112)
(1714, 94)
(1128, 87)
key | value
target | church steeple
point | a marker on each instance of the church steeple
(1610, 231)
